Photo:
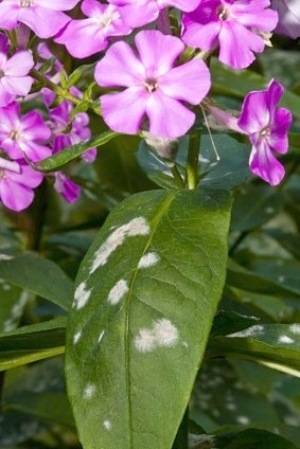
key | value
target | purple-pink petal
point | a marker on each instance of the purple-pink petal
(265, 165)
(168, 117)
(118, 110)
(195, 74)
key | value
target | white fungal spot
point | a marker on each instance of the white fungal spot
(101, 336)
(107, 424)
(281, 278)
(244, 420)
(89, 391)
(76, 337)
(117, 292)
(16, 313)
(166, 334)
(4, 257)
(145, 340)
(163, 334)
(185, 344)
(285, 339)
(6, 287)
(149, 260)
(295, 328)
(137, 226)
(82, 295)
(253, 331)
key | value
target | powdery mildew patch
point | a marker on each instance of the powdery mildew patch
(82, 295)
(101, 336)
(253, 331)
(107, 424)
(76, 337)
(285, 339)
(89, 391)
(149, 260)
(166, 334)
(145, 340)
(118, 292)
(162, 334)
(295, 328)
(135, 227)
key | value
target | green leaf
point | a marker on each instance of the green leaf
(266, 283)
(60, 159)
(11, 305)
(254, 206)
(227, 173)
(239, 83)
(252, 439)
(31, 343)
(49, 407)
(274, 345)
(39, 276)
(146, 296)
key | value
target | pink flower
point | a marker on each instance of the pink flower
(44, 17)
(136, 13)
(68, 132)
(236, 26)
(289, 17)
(267, 127)
(88, 36)
(66, 188)
(153, 87)
(17, 181)
(23, 137)
(14, 79)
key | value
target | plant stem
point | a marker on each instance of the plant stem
(177, 176)
(58, 90)
(193, 161)
(181, 440)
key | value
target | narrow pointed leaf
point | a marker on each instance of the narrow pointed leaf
(60, 159)
(274, 345)
(146, 296)
(31, 343)
(39, 276)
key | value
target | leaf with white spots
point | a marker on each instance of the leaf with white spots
(273, 345)
(146, 296)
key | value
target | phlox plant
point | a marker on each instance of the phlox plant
(149, 205)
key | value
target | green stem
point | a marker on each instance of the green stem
(181, 440)
(58, 90)
(193, 161)
(177, 176)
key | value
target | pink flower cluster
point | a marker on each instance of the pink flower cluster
(153, 84)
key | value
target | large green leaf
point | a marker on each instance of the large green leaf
(39, 276)
(146, 296)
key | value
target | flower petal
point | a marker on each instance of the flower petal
(119, 67)
(189, 82)
(168, 117)
(123, 111)
(158, 52)
(265, 165)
